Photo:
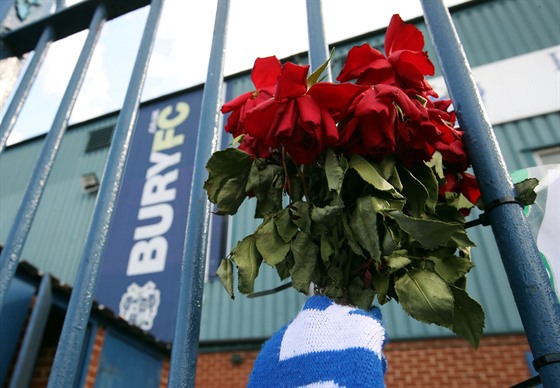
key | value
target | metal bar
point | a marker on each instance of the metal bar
(30, 202)
(65, 366)
(27, 355)
(4, 14)
(318, 47)
(187, 327)
(14, 108)
(537, 304)
(66, 22)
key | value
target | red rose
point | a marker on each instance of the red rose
(299, 119)
(371, 128)
(403, 45)
(452, 148)
(469, 187)
(264, 74)
(451, 184)
(254, 147)
(419, 139)
(368, 66)
(463, 183)
(405, 64)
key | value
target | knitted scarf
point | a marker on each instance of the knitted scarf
(326, 345)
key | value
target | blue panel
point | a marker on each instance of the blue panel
(12, 320)
(124, 364)
(142, 260)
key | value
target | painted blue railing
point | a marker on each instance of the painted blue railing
(539, 309)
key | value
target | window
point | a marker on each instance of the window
(550, 155)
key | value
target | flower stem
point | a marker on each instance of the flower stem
(287, 184)
(301, 175)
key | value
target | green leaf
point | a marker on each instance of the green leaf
(437, 164)
(299, 213)
(415, 192)
(370, 175)
(468, 317)
(397, 260)
(284, 225)
(326, 214)
(266, 180)
(327, 249)
(269, 243)
(360, 297)
(283, 269)
(458, 201)
(387, 169)
(381, 285)
(333, 171)
(349, 235)
(451, 268)
(526, 191)
(426, 297)
(363, 224)
(389, 244)
(228, 172)
(248, 260)
(383, 204)
(225, 273)
(316, 75)
(336, 273)
(305, 253)
(426, 175)
(448, 213)
(432, 233)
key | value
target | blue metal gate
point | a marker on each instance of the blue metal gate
(539, 309)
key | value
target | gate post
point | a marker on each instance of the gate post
(187, 327)
(536, 301)
(318, 47)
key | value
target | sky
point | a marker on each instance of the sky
(256, 28)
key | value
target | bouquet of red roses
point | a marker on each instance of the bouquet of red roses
(362, 186)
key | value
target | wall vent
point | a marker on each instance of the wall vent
(100, 138)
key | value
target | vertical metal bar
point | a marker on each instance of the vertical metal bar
(318, 47)
(537, 304)
(32, 196)
(18, 99)
(65, 366)
(187, 327)
(4, 14)
(27, 354)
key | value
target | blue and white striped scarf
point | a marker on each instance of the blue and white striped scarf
(326, 345)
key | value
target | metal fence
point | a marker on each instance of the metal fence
(539, 309)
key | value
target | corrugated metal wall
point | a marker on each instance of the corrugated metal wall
(57, 237)
(490, 31)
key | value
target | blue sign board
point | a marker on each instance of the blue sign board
(140, 276)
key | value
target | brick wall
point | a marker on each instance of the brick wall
(164, 374)
(43, 365)
(95, 357)
(217, 369)
(498, 362)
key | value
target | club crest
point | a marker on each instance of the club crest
(139, 305)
